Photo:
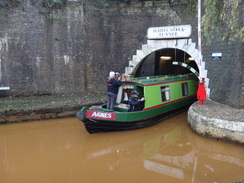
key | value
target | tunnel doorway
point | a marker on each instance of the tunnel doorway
(146, 61)
(160, 62)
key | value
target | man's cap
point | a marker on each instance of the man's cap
(134, 92)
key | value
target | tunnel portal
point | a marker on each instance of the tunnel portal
(157, 57)
(160, 62)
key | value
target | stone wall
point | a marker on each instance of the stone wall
(72, 49)
(226, 75)
(42, 53)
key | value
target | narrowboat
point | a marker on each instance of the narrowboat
(165, 96)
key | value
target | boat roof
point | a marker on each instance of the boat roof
(159, 79)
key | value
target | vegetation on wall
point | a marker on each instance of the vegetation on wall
(218, 16)
(9, 3)
(47, 6)
(225, 17)
(221, 19)
(50, 5)
(45, 3)
(54, 3)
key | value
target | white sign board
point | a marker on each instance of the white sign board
(169, 32)
(216, 56)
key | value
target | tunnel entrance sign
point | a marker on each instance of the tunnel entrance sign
(169, 32)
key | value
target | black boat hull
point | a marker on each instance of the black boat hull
(96, 126)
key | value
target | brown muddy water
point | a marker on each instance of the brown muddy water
(61, 151)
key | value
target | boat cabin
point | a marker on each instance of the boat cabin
(158, 90)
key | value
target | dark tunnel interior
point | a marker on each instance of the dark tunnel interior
(161, 61)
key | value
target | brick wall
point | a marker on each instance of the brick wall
(73, 49)
(226, 76)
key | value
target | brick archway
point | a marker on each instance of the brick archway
(185, 45)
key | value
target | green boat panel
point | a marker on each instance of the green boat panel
(139, 115)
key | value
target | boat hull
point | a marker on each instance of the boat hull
(132, 120)
(98, 126)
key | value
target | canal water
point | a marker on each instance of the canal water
(61, 151)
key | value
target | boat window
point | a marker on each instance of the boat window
(165, 93)
(126, 91)
(184, 87)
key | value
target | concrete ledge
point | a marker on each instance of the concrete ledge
(217, 121)
(18, 109)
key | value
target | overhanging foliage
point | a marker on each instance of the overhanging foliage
(223, 19)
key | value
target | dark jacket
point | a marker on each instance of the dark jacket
(113, 86)
(135, 104)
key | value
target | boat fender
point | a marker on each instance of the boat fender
(81, 115)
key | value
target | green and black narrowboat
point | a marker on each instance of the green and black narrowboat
(165, 96)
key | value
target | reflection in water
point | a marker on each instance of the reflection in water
(62, 151)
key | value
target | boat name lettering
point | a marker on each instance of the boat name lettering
(102, 115)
